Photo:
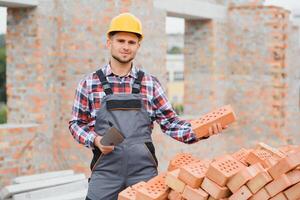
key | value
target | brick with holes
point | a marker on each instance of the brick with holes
(224, 115)
(222, 169)
(155, 189)
(259, 181)
(130, 192)
(138, 185)
(214, 189)
(293, 193)
(180, 160)
(193, 174)
(241, 154)
(174, 182)
(190, 193)
(243, 176)
(273, 151)
(260, 156)
(285, 164)
(127, 194)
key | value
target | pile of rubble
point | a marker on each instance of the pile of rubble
(256, 174)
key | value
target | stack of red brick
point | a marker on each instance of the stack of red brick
(256, 174)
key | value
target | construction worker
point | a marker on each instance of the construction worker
(122, 96)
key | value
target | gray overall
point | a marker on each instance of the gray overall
(134, 159)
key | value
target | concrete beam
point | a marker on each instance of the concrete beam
(192, 9)
(19, 3)
(11, 190)
(42, 176)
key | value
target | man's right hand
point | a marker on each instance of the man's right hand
(104, 149)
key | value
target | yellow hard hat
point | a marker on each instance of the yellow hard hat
(126, 22)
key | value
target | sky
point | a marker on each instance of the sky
(176, 25)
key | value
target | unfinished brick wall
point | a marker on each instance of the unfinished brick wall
(248, 60)
(17, 151)
(49, 49)
(292, 96)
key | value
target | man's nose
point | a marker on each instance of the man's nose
(126, 46)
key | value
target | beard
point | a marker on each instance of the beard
(123, 61)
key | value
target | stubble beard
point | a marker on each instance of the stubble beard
(122, 61)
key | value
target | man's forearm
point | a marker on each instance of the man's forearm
(82, 134)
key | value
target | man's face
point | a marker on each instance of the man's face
(123, 46)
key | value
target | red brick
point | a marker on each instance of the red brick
(190, 193)
(241, 155)
(279, 196)
(286, 164)
(243, 176)
(260, 156)
(12, 171)
(224, 115)
(259, 181)
(221, 170)
(262, 194)
(173, 195)
(294, 176)
(155, 189)
(242, 194)
(287, 148)
(193, 174)
(293, 193)
(138, 185)
(180, 160)
(278, 185)
(273, 151)
(214, 189)
(127, 194)
(174, 182)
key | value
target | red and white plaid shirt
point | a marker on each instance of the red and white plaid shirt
(88, 97)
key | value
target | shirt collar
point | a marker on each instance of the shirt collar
(108, 71)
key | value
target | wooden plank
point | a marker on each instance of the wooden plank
(11, 190)
(53, 191)
(37, 177)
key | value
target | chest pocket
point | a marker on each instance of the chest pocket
(126, 104)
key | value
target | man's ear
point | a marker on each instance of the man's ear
(108, 42)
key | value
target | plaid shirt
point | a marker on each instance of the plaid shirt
(88, 100)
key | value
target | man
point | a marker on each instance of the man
(120, 95)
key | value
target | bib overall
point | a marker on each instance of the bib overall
(134, 159)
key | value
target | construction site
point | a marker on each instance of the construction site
(241, 69)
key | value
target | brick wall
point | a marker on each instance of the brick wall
(17, 144)
(50, 48)
(247, 60)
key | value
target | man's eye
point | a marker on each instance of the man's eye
(132, 42)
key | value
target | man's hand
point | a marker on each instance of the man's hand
(216, 128)
(104, 149)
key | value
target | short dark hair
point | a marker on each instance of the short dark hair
(114, 32)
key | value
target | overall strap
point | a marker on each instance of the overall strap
(105, 84)
(136, 87)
